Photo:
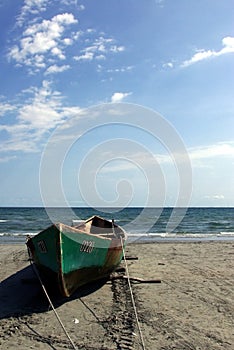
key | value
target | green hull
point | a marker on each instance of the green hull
(75, 257)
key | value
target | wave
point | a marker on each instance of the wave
(227, 233)
(141, 234)
(2, 220)
(16, 234)
(151, 236)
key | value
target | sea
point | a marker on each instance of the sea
(141, 224)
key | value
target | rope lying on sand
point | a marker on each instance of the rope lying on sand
(132, 297)
(51, 304)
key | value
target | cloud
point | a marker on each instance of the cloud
(115, 48)
(41, 41)
(159, 2)
(216, 196)
(43, 111)
(219, 196)
(80, 7)
(168, 65)
(228, 47)
(39, 114)
(31, 7)
(7, 159)
(121, 70)
(56, 69)
(87, 56)
(222, 149)
(36, 7)
(118, 166)
(199, 156)
(98, 48)
(5, 108)
(119, 96)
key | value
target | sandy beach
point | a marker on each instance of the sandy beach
(192, 307)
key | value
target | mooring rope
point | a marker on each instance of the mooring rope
(132, 297)
(51, 304)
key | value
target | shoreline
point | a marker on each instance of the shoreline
(192, 307)
(150, 238)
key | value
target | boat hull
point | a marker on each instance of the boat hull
(73, 258)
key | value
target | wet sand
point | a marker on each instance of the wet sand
(192, 307)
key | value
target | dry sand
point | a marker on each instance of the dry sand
(192, 307)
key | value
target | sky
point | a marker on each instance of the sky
(144, 91)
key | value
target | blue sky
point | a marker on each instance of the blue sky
(59, 58)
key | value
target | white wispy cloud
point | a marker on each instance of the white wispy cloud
(121, 69)
(200, 155)
(37, 115)
(78, 6)
(87, 56)
(7, 159)
(98, 48)
(43, 43)
(6, 107)
(215, 197)
(168, 65)
(115, 48)
(118, 166)
(44, 110)
(221, 149)
(219, 196)
(119, 96)
(200, 55)
(36, 7)
(56, 69)
(159, 2)
(33, 7)
(43, 40)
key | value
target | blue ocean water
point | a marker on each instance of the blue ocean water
(151, 224)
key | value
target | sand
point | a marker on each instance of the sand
(192, 307)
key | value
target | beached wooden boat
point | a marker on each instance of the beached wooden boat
(74, 256)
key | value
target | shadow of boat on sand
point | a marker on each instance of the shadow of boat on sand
(22, 294)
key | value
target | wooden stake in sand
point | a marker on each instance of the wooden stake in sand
(135, 279)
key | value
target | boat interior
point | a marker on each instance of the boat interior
(99, 226)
